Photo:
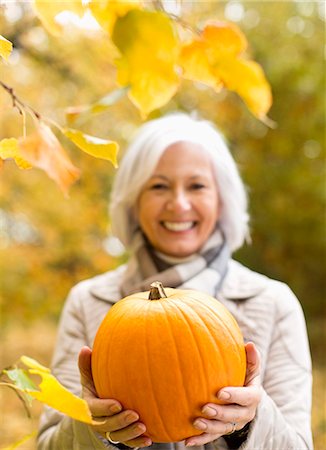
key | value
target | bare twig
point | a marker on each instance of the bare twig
(18, 103)
(158, 5)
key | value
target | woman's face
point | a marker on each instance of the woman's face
(178, 206)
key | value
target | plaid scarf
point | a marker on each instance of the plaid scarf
(203, 271)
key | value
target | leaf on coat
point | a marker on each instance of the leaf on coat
(47, 12)
(100, 148)
(106, 12)
(9, 149)
(43, 150)
(149, 50)
(5, 48)
(216, 59)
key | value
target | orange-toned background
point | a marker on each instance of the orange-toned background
(48, 242)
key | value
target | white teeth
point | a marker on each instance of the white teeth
(178, 226)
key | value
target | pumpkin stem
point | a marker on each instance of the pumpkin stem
(157, 291)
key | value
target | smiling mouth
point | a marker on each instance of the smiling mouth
(178, 226)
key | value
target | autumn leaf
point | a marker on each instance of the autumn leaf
(101, 105)
(100, 148)
(106, 12)
(43, 150)
(48, 10)
(248, 80)
(216, 59)
(51, 392)
(196, 65)
(149, 49)
(9, 149)
(5, 48)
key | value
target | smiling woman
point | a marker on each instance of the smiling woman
(179, 206)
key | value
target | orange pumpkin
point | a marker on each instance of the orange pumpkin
(165, 354)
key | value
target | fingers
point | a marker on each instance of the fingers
(213, 430)
(125, 427)
(243, 396)
(122, 425)
(132, 432)
(253, 364)
(103, 407)
(84, 364)
(229, 413)
(98, 407)
(116, 422)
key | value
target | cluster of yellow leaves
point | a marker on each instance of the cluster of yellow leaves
(43, 150)
(153, 59)
(151, 64)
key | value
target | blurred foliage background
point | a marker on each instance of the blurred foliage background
(49, 242)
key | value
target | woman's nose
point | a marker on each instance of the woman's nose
(179, 201)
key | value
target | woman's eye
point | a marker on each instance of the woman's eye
(197, 186)
(158, 187)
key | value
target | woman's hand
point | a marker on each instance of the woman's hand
(239, 408)
(122, 425)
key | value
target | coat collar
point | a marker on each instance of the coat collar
(240, 283)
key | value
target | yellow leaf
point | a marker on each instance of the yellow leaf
(224, 39)
(33, 364)
(106, 12)
(100, 148)
(149, 50)
(215, 58)
(43, 150)
(53, 394)
(9, 149)
(196, 66)
(5, 47)
(248, 80)
(47, 10)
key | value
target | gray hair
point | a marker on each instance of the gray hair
(142, 156)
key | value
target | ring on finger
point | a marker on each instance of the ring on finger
(107, 434)
(234, 426)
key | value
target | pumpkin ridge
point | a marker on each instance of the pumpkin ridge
(189, 323)
(184, 384)
(225, 326)
(113, 324)
(208, 394)
(148, 366)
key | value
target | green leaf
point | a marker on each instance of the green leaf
(20, 378)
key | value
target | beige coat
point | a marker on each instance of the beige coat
(268, 314)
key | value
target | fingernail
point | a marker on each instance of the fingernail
(190, 444)
(115, 408)
(224, 395)
(200, 424)
(131, 417)
(208, 411)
